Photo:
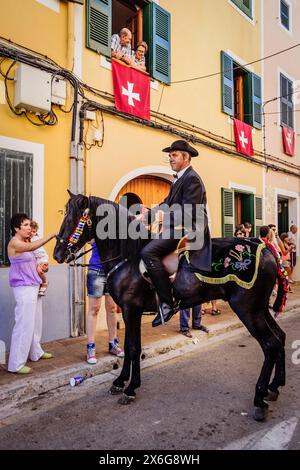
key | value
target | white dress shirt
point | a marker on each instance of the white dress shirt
(180, 173)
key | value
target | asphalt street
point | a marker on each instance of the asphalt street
(200, 400)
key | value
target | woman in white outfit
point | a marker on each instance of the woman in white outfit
(25, 282)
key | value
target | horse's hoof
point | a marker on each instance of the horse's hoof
(260, 414)
(272, 396)
(115, 390)
(125, 400)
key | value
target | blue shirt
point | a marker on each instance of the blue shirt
(95, 260)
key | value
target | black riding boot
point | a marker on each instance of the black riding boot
(161, 282)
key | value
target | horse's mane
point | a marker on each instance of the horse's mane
(127, 246)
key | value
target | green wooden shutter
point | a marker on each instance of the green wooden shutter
(16, 176)
(227, 84)
(227, 212)
(98, 26)
(252, 100)
(286, 102)
(157, 33)
(245, 6)
(256, 101)
(258, 215)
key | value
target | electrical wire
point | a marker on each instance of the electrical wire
(82, 88)
(238, 67)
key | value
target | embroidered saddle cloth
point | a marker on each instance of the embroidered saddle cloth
(233, 259)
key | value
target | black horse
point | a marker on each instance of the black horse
(135, 295)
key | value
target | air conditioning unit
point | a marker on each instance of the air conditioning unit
(32, 89)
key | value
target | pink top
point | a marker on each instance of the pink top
(286, 257)
(22, 271)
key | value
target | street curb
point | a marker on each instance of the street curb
(26, 389)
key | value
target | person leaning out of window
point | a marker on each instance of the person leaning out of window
(138, 56)
(121, 46)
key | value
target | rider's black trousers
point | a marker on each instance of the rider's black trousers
(152, 255)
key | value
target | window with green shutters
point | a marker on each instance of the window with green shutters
(98, 25)
(227, 212)
(251, 211)
(245, 6)
(286, 102)
(253, 100)
(258, 216)
(251, 96)
(16, 176)
(156, 25)
(227, 84)
(157, 33)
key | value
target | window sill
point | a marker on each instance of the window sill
(251, 19)
(284, 28)
(106, 64)
(254, 129)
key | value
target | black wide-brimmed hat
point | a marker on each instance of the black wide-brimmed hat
(183, 146)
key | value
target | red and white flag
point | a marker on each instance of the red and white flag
(288, 139)
(243, 137)
(132, 90)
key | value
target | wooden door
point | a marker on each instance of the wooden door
(150, 189)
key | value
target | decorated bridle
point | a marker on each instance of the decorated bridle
(86, 220)
(83, 221)
(73, 239)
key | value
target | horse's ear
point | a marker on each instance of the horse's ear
(70, 193)
(83, 202)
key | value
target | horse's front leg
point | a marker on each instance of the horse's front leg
(134, 346)
(119, 384)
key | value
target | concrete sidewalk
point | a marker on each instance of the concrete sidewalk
(69, 354)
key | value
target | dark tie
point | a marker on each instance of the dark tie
(175, 176)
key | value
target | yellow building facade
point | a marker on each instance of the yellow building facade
(200, 80)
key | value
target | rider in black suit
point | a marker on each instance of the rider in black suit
(188, 188)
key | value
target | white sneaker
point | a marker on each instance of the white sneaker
(91, 354)
(116, 350)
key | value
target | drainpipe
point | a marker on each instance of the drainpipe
(76, 278)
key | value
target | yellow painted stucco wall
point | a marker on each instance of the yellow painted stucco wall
(200, 30)
(37, 27)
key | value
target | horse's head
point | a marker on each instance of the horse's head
(75, 230)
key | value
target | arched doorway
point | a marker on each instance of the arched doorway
(148, 190)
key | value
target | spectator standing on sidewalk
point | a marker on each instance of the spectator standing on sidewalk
(196, 321)
(286, 255)
(96, 288)
(25, 283)
(293, 238)
(248, 228)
